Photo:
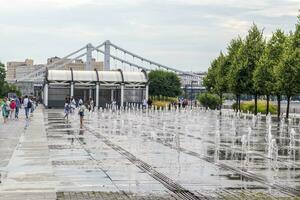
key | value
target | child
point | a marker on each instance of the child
(5, 109)
(12, 106)
(67, 109)
(81, 113)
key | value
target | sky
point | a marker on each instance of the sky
(184, 34)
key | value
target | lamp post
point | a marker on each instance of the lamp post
(191, 94)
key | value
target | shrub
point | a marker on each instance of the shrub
(261, 107)
(161, 101)
(163, 98)
(164, 83)
(209, 100)
(160, 104)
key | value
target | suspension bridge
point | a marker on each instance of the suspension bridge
(115, 57)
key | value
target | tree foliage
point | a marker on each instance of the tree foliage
(264, 76)
(236, 60)
(164, 83)
(254, 66)
(5, 87)
(251, 52)
(209, 100)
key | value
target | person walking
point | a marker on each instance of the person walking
(80, 102)
(91, 107)
(27, 106)
(67, 109)
(149, 102)
(73, 105)
(145, 104)
(81, 113)
(33, 105)
(8, 106)
(12, 107)
(114, 105)
(4, 109)
(18, 106)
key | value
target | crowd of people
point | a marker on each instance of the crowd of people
(10, 107)
(71, 104)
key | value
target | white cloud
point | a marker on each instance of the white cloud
(174, 32)
(32, 4)
(235, 24)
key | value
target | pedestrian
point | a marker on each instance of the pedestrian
(67, 109)
(81, 113)
(91, 106)
(114, 105)
(33, 105)
(18, 106)
(149, 102)
(80, 102)
(8, 106)
(73, 105)
(145, 104)
(4, 109)
(27, 106)
(12, 107)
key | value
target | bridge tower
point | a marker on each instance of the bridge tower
(89, 50)
(107, 55)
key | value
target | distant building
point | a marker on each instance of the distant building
(192, 85)
(12, 67)
(78, 64)
(17, 70)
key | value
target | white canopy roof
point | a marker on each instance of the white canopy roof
(59, 75)
(136, 77)
(89, 76)
(92, 76)
(110, 76)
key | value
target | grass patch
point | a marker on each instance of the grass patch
(261, 107)
(160, 103)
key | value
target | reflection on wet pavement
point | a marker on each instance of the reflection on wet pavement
(135, 154)
(196, 150)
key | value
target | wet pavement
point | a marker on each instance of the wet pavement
(150, 155)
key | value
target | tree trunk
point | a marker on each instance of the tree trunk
(288, 107)
(240, 103)
(268, 100)
(221, 96)
(255, 104)
(278, 105)
(237, 103)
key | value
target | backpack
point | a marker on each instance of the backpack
(29, 104)
(4, 107)
(67, 107)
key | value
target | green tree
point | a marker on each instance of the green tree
(264, 76)
(209, 100)
(252, 50)
(223, 67)
(288, 72)
(5, 87)
(2, 78)
(296, 37)
(164, 83)
(216, 79)
(235, 61)
(209, 81)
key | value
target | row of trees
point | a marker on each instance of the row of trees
(258, 67)
(5, 87)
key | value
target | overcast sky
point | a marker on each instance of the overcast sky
(185, 34)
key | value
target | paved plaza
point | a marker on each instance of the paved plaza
(140, 155)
